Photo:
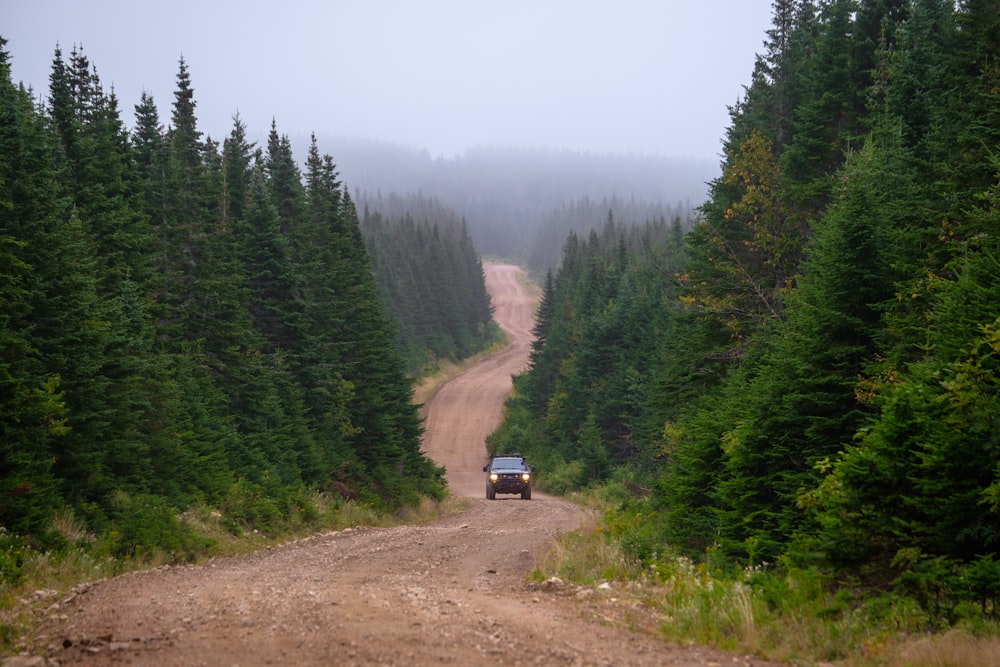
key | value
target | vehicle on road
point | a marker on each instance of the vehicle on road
(508, 473)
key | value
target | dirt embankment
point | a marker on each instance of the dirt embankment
(451, 592)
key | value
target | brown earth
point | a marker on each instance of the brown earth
(450, 592)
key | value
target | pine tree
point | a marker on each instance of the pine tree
(431, 280)
(824, 122)
(389, 428)
(287, 193)
(99, 167)
(974, 102)
(33, 412)
(777, 80)
(801, 407)
(919, 82)
(920, 479)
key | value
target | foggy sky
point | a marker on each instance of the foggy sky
(644, 76)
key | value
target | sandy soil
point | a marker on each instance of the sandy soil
(451, 592)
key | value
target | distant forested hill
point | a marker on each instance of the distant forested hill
(810, 376)
(510, 196)
(183, 321)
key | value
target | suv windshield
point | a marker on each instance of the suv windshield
(516, 464)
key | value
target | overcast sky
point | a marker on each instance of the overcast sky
(646, 76)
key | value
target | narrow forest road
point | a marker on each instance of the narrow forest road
(450, 592)
(466, 409)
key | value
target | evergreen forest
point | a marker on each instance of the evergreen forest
(186, 322)
(430, 278)
(518, 201)
(809, 379)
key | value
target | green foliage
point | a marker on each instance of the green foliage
(810, 376)
(982, 581)
(778, 610)
(13, 553)
(578, 411)
(429, 255)
(249, 506)
(180, 324)
(140, 527)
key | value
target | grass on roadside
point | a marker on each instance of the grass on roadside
(782, 613)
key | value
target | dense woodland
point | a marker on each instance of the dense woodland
(430, 278)
(811, 376)
(581, 216)
(189, 322)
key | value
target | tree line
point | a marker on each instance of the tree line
(430, 277)
(580, 216)
(184, 322)
(811, 375)
(512, 198)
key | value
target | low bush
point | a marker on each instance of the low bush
(143, 527)
(12, 556)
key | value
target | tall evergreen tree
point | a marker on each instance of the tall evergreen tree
(824, 122)
(33, 411)
(432, 282)
(918, 482)
(744, 256)
(919, 82)
(801, 407)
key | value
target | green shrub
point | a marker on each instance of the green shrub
(247, 507)
(562, 477)
(143, 526)
(981, 580)
(12, 556)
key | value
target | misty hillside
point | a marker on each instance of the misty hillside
(507, 195)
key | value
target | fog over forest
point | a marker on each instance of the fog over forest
(598, 98)
(512, 197)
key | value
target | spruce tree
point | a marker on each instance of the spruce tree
(388, 425)
(823, 122)
(921, 480)
(33, 410)
(801, 407)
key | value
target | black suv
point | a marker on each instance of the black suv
(508, 473)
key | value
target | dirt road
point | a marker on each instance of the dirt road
(452, 592)
(468, 407)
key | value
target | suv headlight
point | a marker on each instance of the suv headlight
(525, 477)
(494, 477)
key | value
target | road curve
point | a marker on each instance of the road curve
(469, 407)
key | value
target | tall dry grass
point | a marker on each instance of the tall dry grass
(955, 648)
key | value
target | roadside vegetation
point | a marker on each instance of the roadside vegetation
(797, 615)
(786, 415)
(430, 278)
(792, 407)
